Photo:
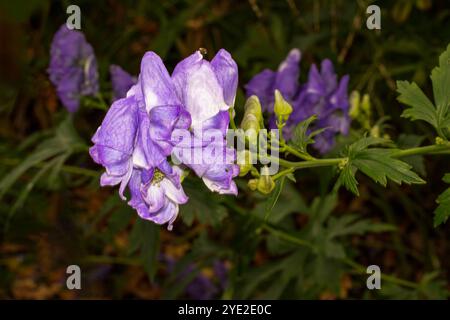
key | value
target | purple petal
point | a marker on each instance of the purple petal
(287, 76)
(226, 71)
(114, 139)
(156, 84)
(329, 77)
(147, 153)
(198, 88)
(154, 196)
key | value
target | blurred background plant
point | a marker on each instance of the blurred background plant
(314, 244)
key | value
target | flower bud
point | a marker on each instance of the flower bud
(365, 105)
(360, 109)
(265, 182)
(244, 160)
(250, 122)
(252, 184)
(282, 108)
(253, 118)
(354, 105)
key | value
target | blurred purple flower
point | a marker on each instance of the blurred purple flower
(322, 95)
(121, 81)
(285, 79)
(73, 67)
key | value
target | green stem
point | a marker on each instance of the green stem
(311, 163)
(420, 150)
(282, 173)
(289, 149)
(432, 149)
(232, 123)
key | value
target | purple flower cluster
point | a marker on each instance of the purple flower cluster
(322, 95)
(73, 67)
(135, 139)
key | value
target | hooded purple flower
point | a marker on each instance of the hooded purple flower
(73, 67)
(134, 140)
(207, 90)
(121, 81)
(322, 95)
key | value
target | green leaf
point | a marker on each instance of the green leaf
(273, 198)
(347, 179)
(376, 163)
(363, 144)
(289, 201)
(442, 212)
(421, 106)
(352, 225)
(440, 77)
(301, 139)
(38, 156)
(145, 237)
(202, 205)
(438, 114)
(48, 156)
(379, 165)
(149, 246)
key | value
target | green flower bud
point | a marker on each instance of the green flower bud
(365, 105)
(253, 115)
(244, 158)
(252, 184)
(253, 106)
(252, 121)
(354, 105)
(439, 141)
(282, 108)
(375, 132)
(360, 109)
(265, 182)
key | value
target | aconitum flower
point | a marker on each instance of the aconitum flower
(134, 141)
(285, 79)
(156, 194)
(136, 136)
(207, 90)
(121, 81)
(322, 95)
(73, 67)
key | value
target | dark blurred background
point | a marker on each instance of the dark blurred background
(74, 222)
